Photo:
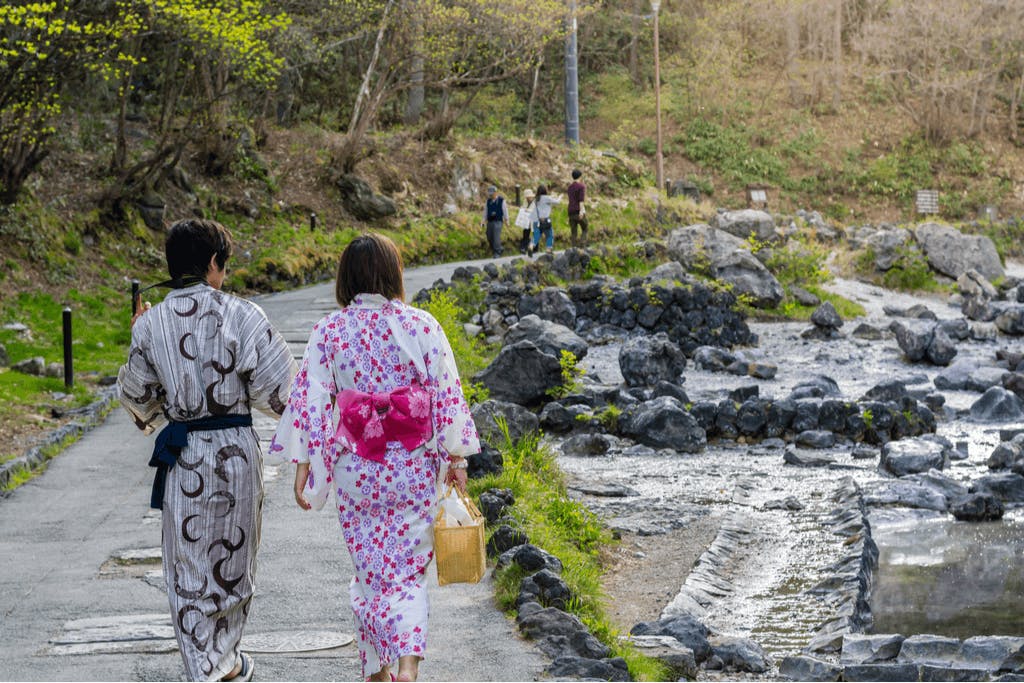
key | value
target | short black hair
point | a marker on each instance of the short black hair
(576, 173)
(190, 245)
(541, 190)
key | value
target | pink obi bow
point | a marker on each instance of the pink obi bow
(370, 421)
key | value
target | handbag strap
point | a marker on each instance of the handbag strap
(466, 500)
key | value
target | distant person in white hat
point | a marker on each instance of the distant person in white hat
(524, 243)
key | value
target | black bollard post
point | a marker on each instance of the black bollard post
(69, 373)
(135, 297)
(518, 199)
(312, 222)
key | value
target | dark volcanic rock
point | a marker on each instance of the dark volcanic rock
(997, 404)
(684, 628)
(550, 337)
(911, 456)
(505, 538)
(487, 414)
(552, 304)
(663, 423)
(804, 668)
(582, 668)
(646, 360)
(521, 374)
(977, 507)
(740, 654)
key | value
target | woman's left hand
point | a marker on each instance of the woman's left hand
(457, 478)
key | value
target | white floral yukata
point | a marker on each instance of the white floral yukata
(386, 509)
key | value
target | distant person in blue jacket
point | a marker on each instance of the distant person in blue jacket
(495, 217)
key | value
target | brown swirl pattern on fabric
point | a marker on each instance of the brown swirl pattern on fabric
(200, 353)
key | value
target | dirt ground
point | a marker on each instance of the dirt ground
(644, 573)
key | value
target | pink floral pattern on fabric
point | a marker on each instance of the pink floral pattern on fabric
(376, 347)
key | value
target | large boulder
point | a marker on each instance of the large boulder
(996, 405)
(550, 337)
(749, 277)
(727, 258)
(522, 374)
(551, 303)
(685, 628)
(699, 244)
(663, 423)
(953, 253)
(740, 654)
(489, 413)
(912, 456)
(361, 201)
(924, 341)
(1010, 319)
(746, 222)
(886, 245)
(977, 293)
(647, 360)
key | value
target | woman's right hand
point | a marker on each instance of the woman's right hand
(301, 476)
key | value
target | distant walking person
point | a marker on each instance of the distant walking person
(542, 226)
(524, 243)
(495, 217)
(377, 418)
(577, 211)
(201, 361)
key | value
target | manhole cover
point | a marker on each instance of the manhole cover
(293, 641)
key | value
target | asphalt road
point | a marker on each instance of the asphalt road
(70, 612)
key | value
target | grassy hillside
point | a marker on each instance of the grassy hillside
(860, 161)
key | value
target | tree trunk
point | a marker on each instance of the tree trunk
(793, 55)
(634, 42)
(533, 95)
(417, 92)
(837, 54)
(364, 88)
(1015, 122)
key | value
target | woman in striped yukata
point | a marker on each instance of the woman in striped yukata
(201, 361)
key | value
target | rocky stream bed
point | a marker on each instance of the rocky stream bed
(834, 500)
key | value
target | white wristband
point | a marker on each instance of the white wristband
(459, 465)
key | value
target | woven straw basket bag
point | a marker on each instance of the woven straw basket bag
(459, 550)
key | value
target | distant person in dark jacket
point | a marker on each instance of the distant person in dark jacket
(577, 211)
(495, 217)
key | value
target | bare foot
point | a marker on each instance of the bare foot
(382, 675)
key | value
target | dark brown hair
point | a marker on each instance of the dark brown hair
(190, 245)
(370, 264)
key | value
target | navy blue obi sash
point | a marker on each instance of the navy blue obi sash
(174, 437)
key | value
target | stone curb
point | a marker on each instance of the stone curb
(88, 417)
(850, 580)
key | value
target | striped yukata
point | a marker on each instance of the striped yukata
(200, 354)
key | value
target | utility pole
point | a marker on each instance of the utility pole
(660, 163)
(572, 87)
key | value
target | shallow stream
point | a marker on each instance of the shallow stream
(935, 575)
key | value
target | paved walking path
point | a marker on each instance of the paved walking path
(68, 612)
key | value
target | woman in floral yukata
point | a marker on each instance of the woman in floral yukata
(377, 415)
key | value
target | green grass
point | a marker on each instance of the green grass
(566, 529)
(790, 309)
(909, 273)
(22, 473)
